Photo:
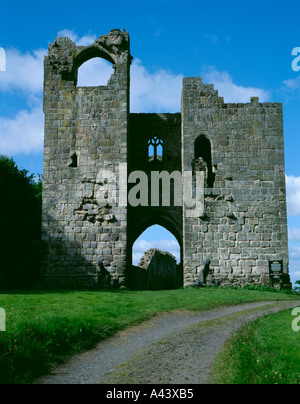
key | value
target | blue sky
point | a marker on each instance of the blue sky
(244, 48)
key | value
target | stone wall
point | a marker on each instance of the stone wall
(244, 224)
(85, 141)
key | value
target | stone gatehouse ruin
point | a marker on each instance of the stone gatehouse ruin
(96, 153)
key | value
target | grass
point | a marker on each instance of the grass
(45, 328)
(266, 351)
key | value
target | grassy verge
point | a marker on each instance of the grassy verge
(266, 351)
(44, 328)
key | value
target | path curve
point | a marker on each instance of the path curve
(171, 348)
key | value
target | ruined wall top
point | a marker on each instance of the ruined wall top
(147, 257)
(66, 57)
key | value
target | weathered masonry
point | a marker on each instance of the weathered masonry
(96, 152)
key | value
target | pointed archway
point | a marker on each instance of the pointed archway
(155, 233)
(157, 237)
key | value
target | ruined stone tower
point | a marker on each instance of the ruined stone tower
(96, 152)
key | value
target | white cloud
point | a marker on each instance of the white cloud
(292, 84)
(211, 38)
(294, 255)
(229, 90)
(294, 234)
(80, 41)
(154, 92)
(23, 133)
(141, 246)
(24, 71)
(293, 195)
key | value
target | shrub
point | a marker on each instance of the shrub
(20, 216)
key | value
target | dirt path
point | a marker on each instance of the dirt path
(172, 348)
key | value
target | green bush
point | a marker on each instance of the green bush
(297, 288)
(20, 230)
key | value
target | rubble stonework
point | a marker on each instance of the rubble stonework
(90, 132)
(161, 270)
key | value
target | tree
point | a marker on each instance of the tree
(20, 225)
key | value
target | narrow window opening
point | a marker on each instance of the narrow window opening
(74, 161)
(203, 158)
(151, 151)
(159, 151)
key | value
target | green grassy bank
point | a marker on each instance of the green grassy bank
(266, 351)
(44, 328)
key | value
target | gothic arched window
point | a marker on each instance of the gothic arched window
(155, 149)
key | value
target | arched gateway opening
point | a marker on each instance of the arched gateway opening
(155, 237)
(156, 257)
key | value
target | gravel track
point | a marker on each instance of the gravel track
(172, 348)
